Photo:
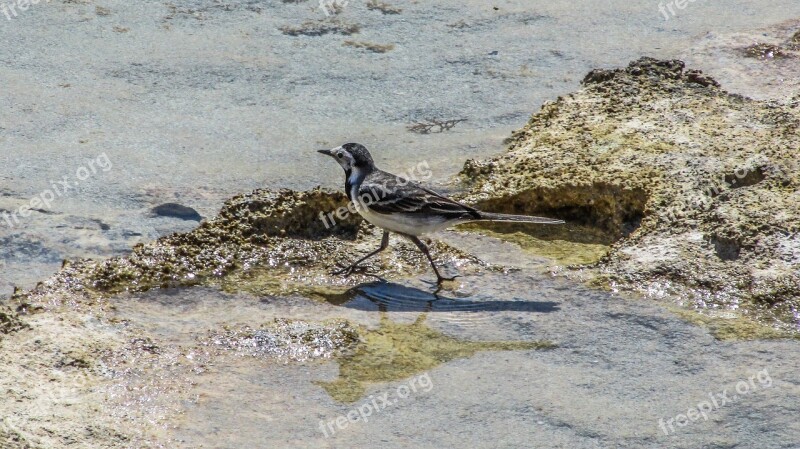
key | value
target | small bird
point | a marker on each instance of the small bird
(398, 205)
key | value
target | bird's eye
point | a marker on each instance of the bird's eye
(339, 155)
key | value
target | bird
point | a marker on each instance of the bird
(396, 204)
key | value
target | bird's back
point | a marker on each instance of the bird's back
(400, 205)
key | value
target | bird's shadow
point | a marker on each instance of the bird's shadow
(391, 297)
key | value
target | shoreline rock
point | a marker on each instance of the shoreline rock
(695, 190)
(696, 187)
(700, 186)
(265, 238)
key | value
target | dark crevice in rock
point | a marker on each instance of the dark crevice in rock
(745, 178)
(725, 248)
(614, 210)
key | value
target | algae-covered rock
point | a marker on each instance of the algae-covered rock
(691, 192)
(395, 351)
(700, 186)
(9, 321)
(285, 240)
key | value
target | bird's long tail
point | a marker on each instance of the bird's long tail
(489, 216)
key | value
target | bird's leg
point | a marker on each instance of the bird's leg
(349, 270)
(424, 249)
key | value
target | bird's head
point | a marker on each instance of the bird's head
(351, 156)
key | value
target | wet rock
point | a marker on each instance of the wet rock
(321, 27)
(271, 242)
(698, 186)
(794, 42)
(176, 211)
(694, 188)
(765, 51)
(9, 321)
(294, 340)
(396, 351)
(760, 63)
(698, 77)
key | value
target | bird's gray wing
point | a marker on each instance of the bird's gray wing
(385, 193)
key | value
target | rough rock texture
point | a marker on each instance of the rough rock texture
(286, 339)
(9, 321)
(76, 358)
(279, 231)
(699, 185)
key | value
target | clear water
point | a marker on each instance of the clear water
(196, 102)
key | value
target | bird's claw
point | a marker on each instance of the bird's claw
(442, 279)
(351, 269)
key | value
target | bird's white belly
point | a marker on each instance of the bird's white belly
(403, 223)
(411, 224)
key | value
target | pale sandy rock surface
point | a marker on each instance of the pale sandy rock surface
(701, 186)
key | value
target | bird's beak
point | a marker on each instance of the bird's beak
(325, 152)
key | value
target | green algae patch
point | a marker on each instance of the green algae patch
(564, 244)
(281, 281)
(396, 351)
(731, 326)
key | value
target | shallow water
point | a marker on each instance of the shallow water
(197, 102)
(516, 359)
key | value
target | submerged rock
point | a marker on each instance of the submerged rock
(396, 351)
(759, 63)
(699, 186)
(176, 210)
(294, 340)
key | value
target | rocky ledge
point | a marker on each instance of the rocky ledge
(275, 242)
(698, 187)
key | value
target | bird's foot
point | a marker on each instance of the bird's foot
(352, 269)
(441, 286)
(440, 283)
(442, 279)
